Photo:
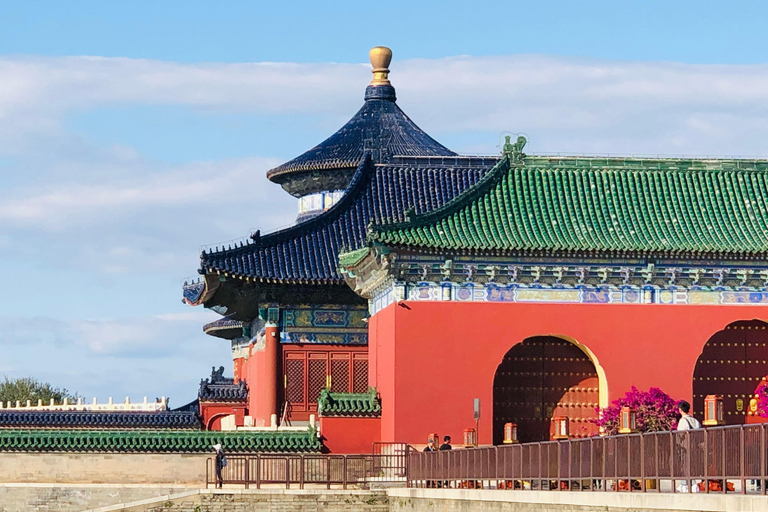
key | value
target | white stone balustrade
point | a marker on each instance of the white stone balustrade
(66, 405)
(228, 424)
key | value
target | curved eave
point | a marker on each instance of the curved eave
(544, 252)
(344, 414)
(216, 400)
(204, 290)
(278, 174)
(228, 329)
(268, 280)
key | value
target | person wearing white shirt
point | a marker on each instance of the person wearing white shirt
(687, 422)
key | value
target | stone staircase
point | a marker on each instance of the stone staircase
(261, 500)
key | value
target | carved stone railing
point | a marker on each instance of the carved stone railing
(79, 405)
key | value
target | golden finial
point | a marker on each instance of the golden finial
(380, 56)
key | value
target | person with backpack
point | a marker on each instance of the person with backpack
(687, 422)
(220, 463)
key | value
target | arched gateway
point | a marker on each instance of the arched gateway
(540, 378)
(731, 364)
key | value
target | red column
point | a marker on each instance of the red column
(263, 382)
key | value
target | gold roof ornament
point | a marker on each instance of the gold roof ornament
(380, 57)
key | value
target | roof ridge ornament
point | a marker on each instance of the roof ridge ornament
(380, 57)
(514, 151)
(380, 88)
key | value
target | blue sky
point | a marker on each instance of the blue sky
(131, 134)
(703, 32)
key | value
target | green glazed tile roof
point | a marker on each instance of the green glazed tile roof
(144, 441)
(608, 206)
(352, 258)
(349, 404)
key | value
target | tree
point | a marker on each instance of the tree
(655, 411)
(27, 388)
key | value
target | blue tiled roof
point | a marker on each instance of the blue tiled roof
(193, 291)
(379, 127)
(222, 389)
(223, 392)
(308, 252)
(98, 419)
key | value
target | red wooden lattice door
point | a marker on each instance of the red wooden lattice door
(307, 372)
(539, 379)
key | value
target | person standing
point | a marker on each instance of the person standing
(687, 422)
(431, 448)
(219, 464)
(446, 443)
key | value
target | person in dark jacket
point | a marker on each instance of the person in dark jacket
(220, 462)
(446, 443)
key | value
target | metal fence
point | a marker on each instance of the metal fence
(391, 461)
(315, 470)
(720, 459)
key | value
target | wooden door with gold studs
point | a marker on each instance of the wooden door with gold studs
(541, 378)
(731, 364)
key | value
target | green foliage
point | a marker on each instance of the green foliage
(27, 388)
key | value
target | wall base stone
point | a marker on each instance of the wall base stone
(170, 469)
(69, 498)
(463, 500)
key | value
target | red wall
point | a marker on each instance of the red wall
(350, 435)
(381, 362)
(217, 410)
(431, 359)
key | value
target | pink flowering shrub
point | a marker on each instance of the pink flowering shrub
(655, 410)
(762, 399)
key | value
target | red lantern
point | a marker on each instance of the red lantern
(713, 410)
(434, 438)
(561, 427)
(510, 433)
(627, 420)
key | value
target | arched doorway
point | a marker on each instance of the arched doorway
(540, 378)
(731, 364)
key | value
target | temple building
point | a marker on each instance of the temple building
(295, 325)
(417, 281)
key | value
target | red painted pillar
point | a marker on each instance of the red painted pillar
(263, 385)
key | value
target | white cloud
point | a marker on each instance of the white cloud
(544, 96)
(142, 337)
(67, 203)
(58, 84)
(562, 104)
(151, 356)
